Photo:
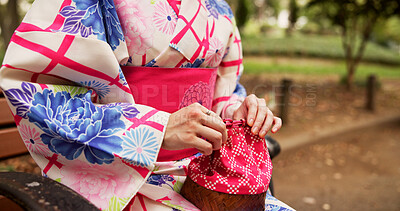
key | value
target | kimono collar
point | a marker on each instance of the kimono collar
(176, 5)
(190, 31)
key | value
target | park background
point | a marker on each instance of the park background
(340, 148)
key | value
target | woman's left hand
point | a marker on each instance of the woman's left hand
(255, 111)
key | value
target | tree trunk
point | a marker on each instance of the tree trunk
(354, 60)
(261, 10)
(350, 75)
(9, 20)
(293, 15)
(242, 13)
(348, 44)
(13, 14)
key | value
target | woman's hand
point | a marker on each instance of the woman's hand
(188, 125)
(258, 116)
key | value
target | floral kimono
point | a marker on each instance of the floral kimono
(62, 76)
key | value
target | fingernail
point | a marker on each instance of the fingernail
(255, 130)
(251, 121)
(262, 133)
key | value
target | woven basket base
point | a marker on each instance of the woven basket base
(208, 200)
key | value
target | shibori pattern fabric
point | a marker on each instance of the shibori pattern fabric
(241, 166)
(74, 110)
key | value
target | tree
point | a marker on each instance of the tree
(9, 20)
(293, 16)
(260, 9)
(356, 19)
(232, 4)
(387, 33)
(242, 13)
(273, 7)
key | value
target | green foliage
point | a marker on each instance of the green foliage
(387, 31)
(357, 19)
(258, 65)
(340, 11)
(313, 46)
(318, 22)
(1, 55)
(354, 16)
(274, 6)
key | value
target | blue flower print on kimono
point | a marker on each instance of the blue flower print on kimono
(160, 180)
(139, 147)
(89, 17)
(127, 109)
(195, 64)
(21, 99)
(152, 63)
(100, 89)
(273, 204)
(219, 7)
(73, 126)
(121, 75)
(73, 24)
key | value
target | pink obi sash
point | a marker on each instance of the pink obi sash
(169, 89)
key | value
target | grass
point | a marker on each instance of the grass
(313, 46)
(7, 168)
(259, 65)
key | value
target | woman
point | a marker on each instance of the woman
(115, 141)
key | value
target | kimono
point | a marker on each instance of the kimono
(73, 107)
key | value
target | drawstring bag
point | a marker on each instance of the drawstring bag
(236, 177)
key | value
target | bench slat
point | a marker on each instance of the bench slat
(8, 205)
(5, 113)
(11, 143)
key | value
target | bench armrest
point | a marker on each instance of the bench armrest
(34, 192)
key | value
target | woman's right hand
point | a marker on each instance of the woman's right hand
(188, 126)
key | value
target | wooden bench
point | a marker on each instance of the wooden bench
(11, 144)
(10, 140)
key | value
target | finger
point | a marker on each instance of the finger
(206, 111)
(260, 118)
(277, 124)
(212, 120)
(202, 145)
(212, 136)
(267, 124)
(251, 104)
(240, 113)
(217, 125)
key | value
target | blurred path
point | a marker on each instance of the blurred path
(356, 170)
(303, 138)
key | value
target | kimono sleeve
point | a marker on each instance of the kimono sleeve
(74, 110)
(229, 93)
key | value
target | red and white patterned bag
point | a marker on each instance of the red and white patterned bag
(241, 166)
(236, 177)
